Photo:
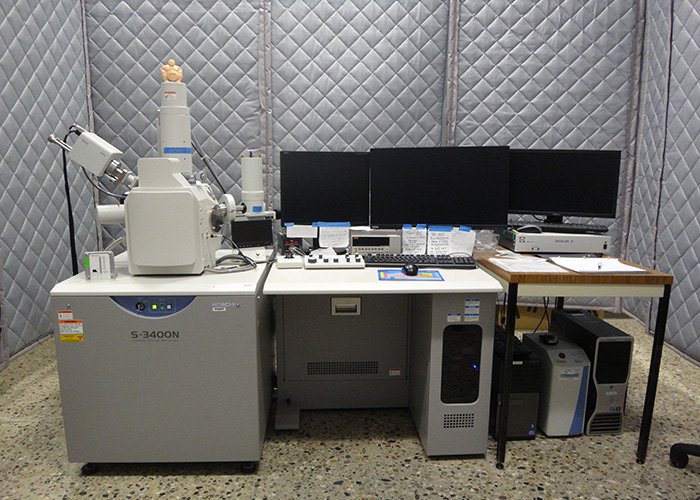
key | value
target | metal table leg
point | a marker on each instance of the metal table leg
(511, 311)
(654, 366)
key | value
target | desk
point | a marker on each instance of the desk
(345, 339)
(571, 284)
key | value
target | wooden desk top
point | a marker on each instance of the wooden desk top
(653, 277)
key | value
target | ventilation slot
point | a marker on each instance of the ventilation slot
(458, 420)
(606, 423)
(343, 368)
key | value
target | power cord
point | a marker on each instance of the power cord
(205, 159)
(71, 221)
(245, 262)
(545, 314)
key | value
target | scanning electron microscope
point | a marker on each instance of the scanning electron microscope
(170, 358)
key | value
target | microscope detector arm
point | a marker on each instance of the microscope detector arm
(98, 157)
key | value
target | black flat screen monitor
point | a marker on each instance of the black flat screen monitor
(441, 186)
(561, 182)
(324, 186)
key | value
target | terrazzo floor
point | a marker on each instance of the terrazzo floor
(362, 453)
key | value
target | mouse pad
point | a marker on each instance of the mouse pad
(398, 275)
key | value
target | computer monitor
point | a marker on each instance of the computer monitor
(559, 182)
(324, 186)
(441, 186)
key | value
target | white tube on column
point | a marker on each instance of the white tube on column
(174, 137)
(110, 214)
(252, 182)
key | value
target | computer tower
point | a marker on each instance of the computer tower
(451, 350)
(563, 386)
(610, 352)
(524, 392)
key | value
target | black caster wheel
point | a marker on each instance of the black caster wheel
(89, 469)
(678, 459)
(499, 465)
(249, 467)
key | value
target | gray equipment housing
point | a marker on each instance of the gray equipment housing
(133, 391)
(563, 392)
(610, 352)
(451, 372)
(340, 351)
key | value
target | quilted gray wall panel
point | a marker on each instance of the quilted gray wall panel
(355, 75)
(215, 41)
(546, 74)
(42, 90)
(678, 248)
(650, 144)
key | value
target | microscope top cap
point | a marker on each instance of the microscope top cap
(171, 72)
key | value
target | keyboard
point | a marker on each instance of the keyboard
(568, 227)
(400, 260)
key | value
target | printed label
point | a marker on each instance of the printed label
(65, 314)
(454, 318)
(472, 309)
(70, 327)
(394, 373)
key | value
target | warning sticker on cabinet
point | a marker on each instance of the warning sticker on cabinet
(65, 314)
(472, 308)
(454, 318)
(70, 330)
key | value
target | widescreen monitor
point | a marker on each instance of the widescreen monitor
(324, 187)
(560, 182)
(439, 186)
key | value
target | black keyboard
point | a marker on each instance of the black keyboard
(568, 227)
(400, 260)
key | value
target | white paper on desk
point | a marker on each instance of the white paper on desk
(334, 236)
(439, 240)
(461, 240)
(301, 231)
(413, 240)
(529, 265)
(589, 265)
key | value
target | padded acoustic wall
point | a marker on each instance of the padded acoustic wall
(666, 228)
(215, 42)
(348, 76)
(548, 74)
(42, 90)
(650, 145)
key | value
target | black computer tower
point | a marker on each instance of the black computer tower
(524, 393)
(610, 352)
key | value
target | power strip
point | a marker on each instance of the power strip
(349, 261)
(290, 262)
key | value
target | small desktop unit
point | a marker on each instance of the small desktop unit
(524, 392)
(610, 352)
(564, 384)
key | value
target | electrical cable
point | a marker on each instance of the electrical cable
(545, 302)
(114, 244)
(71, 221)
(102, 190)
(205, 159)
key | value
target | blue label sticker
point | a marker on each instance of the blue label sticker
(177, 151)
(257, 208)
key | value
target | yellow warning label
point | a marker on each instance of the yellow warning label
(71, 337)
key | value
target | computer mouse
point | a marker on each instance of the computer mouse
(548, 339)
(529, 228)
(410, 269)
